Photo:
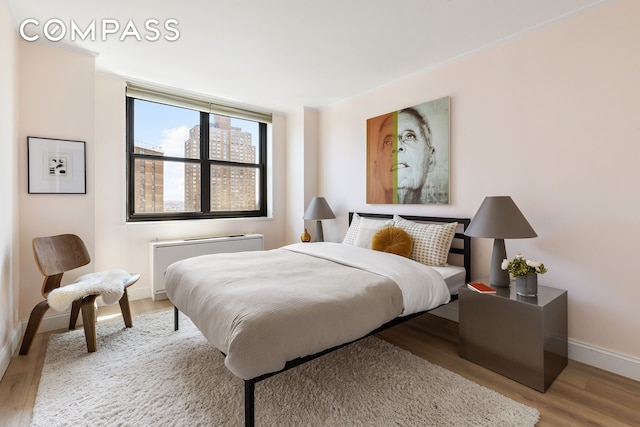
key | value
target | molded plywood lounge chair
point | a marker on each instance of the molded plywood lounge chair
(54, 256)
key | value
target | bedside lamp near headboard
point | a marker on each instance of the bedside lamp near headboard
(499, 218)
(318, 209)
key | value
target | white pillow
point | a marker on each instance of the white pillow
(352, 232)
(431, 242)
(368, 228)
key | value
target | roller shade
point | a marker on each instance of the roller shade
(200, 104)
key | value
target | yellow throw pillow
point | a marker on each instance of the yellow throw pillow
(393, 240)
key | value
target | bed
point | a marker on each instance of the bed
(302, 301)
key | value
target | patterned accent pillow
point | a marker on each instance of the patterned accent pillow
(352, 232)
(431, 242)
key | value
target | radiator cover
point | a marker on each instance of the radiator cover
(166, 253)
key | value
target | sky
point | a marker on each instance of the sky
(158, 125)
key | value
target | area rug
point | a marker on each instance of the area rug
(150, 375)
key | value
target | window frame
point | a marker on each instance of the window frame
(204, 161)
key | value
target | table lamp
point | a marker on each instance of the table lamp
(318, 209)
(499, 218)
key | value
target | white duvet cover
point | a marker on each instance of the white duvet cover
(423, 287)
(265, 308)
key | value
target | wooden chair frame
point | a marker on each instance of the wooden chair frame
(54, 255)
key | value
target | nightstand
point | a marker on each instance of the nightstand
(522, 338)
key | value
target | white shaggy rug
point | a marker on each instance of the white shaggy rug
(150, 375)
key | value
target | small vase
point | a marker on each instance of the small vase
(306, 237)
(527, 286)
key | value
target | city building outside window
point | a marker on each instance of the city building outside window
(192, 163)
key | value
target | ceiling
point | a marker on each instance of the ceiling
(281, 55)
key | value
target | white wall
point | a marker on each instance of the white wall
(295, 174)
(9, 278)
(56, 101)
(551, 119)
(302, 183)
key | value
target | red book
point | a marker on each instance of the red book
(481, 287)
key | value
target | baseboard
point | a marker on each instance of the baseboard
(604, 359)
(138, 293)
(580, 352)
(6, 353)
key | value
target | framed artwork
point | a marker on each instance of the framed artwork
(56, 166)
(408, 155)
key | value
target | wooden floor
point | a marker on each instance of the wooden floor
(581, 396)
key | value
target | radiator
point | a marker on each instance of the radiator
(166, 253)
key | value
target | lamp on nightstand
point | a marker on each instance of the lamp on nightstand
(499, 218)
(318, 209)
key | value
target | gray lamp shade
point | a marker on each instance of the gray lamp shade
(499, 218)
(318, 209)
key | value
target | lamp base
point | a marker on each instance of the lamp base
(497, 276)
(319, 233)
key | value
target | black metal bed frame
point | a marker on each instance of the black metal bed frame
(463, 249)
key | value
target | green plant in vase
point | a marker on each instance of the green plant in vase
(526, 273)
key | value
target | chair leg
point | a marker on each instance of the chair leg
(89, 322)
(32, 327)
(126, 310)
(75, 311)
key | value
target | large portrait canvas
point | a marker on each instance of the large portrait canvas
(408, 155)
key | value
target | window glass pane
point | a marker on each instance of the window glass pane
(165, 167)
(234, 140)
(234, 188)
(166, 130)
(163, 186)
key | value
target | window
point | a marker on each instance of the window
(189, 159)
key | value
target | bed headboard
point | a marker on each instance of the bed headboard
(461, 245)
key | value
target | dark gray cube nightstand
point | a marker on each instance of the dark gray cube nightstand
(522, 338)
